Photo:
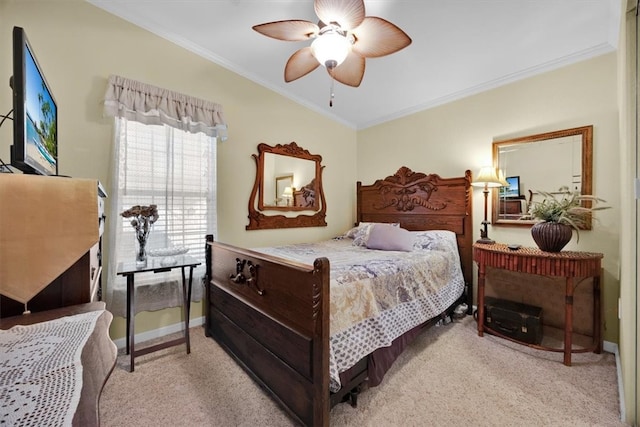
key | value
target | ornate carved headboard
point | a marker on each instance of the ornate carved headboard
(306, 196)
(422, 202)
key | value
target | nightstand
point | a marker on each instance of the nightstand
(567, 264)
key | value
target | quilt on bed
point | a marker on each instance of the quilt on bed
(377, 295)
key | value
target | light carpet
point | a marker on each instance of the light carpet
(448, 376)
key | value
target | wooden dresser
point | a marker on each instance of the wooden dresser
(50, 242)
(511, 206)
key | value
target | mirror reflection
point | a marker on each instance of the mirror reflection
(542, 162)
(284, 191)
(285, 180)
(288, 180)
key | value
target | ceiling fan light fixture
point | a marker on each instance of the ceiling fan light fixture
(341, 40)
(330, 48)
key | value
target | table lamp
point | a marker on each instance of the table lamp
(502, 179)
(287, 194)
(487, 178)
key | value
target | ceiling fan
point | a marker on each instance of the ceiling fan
(342, 40)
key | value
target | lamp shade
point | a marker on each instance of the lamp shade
(330, 48)
(487, 177)
(502, 179)
(288, 192)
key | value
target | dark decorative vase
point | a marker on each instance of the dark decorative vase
(551, 236)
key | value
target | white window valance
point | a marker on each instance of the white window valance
(153, 105)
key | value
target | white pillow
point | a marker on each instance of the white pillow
(389, 238)
(360, 233)
(351, 233)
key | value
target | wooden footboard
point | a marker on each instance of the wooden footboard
(272, 316)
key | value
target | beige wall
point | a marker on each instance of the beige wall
(457, 136)
(628, 100)
(79, 46)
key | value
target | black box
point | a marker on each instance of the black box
(515, 320)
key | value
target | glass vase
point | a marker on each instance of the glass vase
(141, 252)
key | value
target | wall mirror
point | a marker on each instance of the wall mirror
(288, 188)
(542, 162)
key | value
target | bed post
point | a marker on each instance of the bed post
(467, 255)
(207, 280)
(321, 312)
(358, 204)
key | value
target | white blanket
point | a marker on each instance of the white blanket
(376, 296)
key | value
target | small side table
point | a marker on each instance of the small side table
(565, 264)
(154, 264)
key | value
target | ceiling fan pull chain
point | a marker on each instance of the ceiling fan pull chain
(331, 92)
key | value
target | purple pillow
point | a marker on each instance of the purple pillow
(360, 234)
(389, 238)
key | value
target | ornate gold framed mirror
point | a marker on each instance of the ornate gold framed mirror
(541, 162)
(289, 182)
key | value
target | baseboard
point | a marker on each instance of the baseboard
(610, 347)
(161, 332)
(613, 348)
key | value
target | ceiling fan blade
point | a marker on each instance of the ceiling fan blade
(377, 37)
(301, 63)
(351, 71)
(292, 30)
(347, 13)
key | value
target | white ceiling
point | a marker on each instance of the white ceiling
(460, 47)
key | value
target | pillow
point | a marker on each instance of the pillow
(389, 238)
(351, 233)
(360, 233)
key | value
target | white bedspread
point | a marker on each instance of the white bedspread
(376, 296)
(41, 370)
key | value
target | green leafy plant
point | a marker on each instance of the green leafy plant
(565, 207)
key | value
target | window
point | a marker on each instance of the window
(175, 170)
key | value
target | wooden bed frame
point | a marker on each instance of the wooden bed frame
(272, 315)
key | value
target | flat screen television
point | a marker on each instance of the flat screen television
(513, 189)
(35, 113)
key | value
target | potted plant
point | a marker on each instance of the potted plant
(558, 214)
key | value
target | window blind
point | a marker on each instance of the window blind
(175, 170)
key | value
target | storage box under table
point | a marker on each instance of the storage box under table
(515, 320)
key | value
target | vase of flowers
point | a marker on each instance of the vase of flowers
(558, 214)
(142, 218)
